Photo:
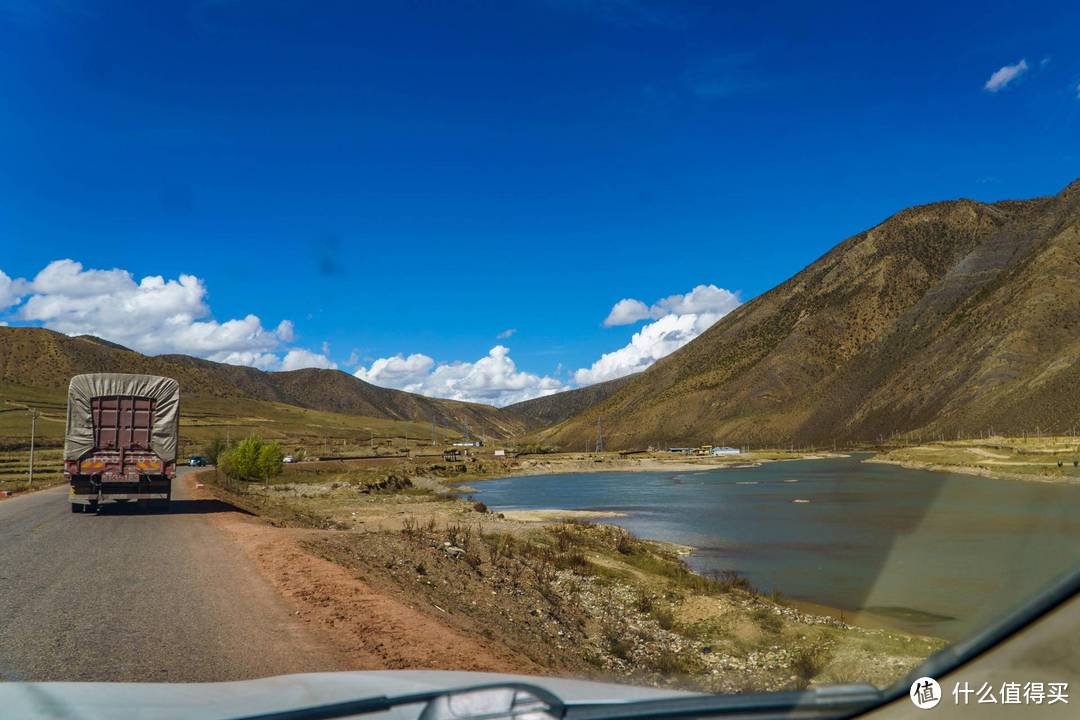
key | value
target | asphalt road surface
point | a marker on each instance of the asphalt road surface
(138, 596)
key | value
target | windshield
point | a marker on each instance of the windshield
(674, 346)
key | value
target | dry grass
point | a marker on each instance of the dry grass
(1056, 457)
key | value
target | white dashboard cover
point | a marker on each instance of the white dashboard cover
(165, 392)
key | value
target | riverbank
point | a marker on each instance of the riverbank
(1047, 460)
(572, 598)
(487, 468)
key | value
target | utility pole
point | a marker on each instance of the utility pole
(433, 442)
(599, 435)
(33, 432)
(372, 438)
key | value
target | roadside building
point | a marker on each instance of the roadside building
(726, 451)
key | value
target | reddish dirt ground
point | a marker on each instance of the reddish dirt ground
(368, 625)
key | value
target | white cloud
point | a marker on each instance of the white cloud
(506, 334)
(260, 360)
(1078, 91)
(299, 358)
(285, 331)
(397, 372)
(154, 315)
(493, 379)
(702, 299)
(1005, 75)
(627, 311)
(680, 319)
(10, 290)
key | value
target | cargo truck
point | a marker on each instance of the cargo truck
(121, 440)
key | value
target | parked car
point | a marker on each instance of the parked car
(288, 459)
(196, 461)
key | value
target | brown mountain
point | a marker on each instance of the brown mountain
(954, 317)
(35, 357)
(544, 411)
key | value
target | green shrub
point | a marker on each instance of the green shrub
(252, 459)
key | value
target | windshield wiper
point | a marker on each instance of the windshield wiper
(524, 701)
(479, 702)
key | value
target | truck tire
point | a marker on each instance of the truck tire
(77, 507)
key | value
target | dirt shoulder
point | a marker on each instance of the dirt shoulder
(373, 629)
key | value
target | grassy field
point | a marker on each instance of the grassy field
(582, 598)
(1047, 458)
(315, 432)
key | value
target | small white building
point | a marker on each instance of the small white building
(726, 451)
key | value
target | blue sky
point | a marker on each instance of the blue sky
(415, 179)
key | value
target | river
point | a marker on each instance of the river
(935, 553)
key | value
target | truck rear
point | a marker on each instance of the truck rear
(121, 440)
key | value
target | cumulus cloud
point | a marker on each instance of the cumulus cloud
(702, 299)
(10, 291)
(679, 319)
(154, 315)
(260, 360)
(1005, 75)
(493, 379)
(298, 359)
(626, 312)
(397, 371)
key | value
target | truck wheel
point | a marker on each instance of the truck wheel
(92, 507)
(77, 507)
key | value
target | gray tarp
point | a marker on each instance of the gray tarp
(165, 392)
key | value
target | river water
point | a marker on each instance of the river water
(936, 553)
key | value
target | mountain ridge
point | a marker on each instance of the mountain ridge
(905, 328)
(37, 357)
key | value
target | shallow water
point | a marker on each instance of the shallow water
(934, 553)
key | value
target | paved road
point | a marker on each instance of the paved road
(127, 596)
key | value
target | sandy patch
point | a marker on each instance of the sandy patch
(557, 515)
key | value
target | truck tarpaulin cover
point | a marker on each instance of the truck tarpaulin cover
(165, 392)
